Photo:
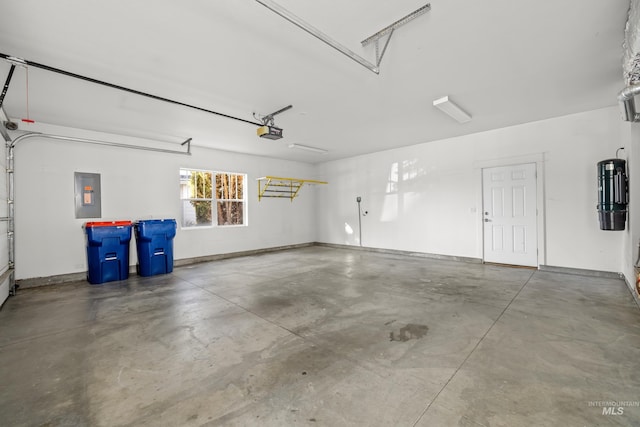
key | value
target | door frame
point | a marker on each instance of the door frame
(539, 160)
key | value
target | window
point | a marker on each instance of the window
(204, 205)
(230, 198)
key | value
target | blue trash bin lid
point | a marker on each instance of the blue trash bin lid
(108, 224)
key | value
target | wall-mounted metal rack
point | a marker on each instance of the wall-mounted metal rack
(282, 188)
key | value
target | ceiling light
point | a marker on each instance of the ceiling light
(452, 109)
(306, 147)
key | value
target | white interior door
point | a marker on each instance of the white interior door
(510, 215)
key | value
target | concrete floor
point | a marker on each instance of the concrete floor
(324, 337)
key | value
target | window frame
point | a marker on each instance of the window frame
(214, 200)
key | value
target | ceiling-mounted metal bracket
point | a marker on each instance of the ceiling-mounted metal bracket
(188, 142)
(268, 119)
(399, 23)
(317, 34)
(388, 30)
(384, 49)
(16, 61)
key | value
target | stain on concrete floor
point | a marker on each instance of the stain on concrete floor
(410, 332)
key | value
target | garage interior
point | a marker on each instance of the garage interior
(387, 213)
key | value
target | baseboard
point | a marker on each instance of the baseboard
(400, 252)
(633, 288)
(207, 258)
(78, 277)
(36, 282)
(580, 272)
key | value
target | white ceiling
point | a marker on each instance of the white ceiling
(504, 61)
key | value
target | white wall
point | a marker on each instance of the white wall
(438, 203)
(631, 235)
(434, 207)
(139, 185)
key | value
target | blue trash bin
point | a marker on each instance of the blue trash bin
(107, 251)
(154, 242)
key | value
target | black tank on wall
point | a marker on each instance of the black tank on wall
(612, 194)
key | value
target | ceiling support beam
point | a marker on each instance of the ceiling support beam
(318, 34)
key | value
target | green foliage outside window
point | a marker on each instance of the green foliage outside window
(200, 182)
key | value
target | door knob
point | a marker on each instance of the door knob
(487, 220)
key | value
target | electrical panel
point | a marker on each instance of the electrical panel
(87, 195)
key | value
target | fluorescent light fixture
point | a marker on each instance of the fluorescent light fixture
(306, 147)
(452, 109)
